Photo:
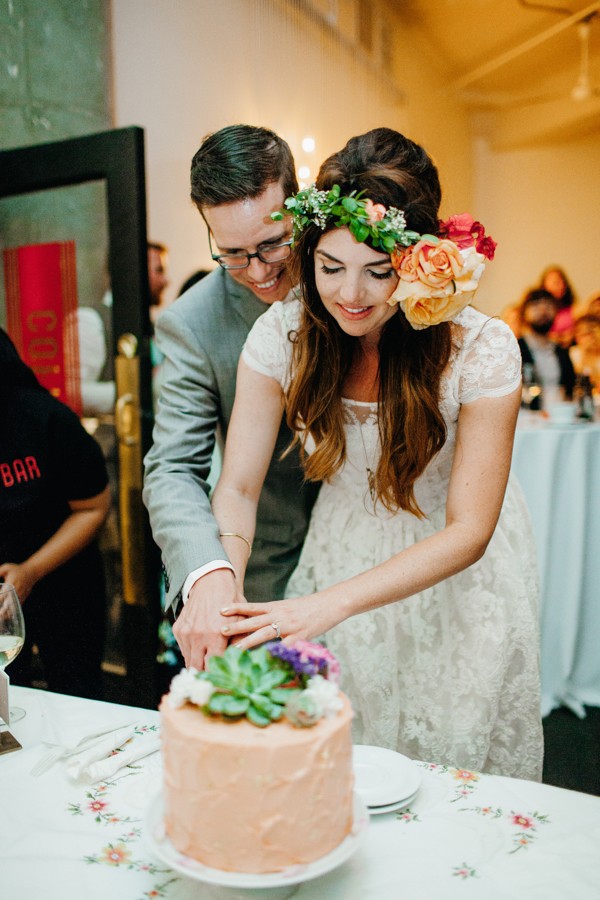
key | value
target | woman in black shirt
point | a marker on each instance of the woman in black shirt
(54, 498)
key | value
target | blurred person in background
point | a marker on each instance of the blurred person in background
(585, 352)
(555, 281)
(552, 367)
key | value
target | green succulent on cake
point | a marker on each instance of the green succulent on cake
(263, 684)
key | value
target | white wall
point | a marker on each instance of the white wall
(184, 69)
(544, 204)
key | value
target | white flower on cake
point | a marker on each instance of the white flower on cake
(186, 686)
(325, 694)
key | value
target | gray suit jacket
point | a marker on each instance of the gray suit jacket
(201, 336)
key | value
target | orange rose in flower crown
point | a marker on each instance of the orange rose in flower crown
(439, 275)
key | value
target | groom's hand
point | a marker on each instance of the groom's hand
(198, 626)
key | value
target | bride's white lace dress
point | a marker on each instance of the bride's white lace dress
(450, 675)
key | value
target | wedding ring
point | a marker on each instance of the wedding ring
(277, 629)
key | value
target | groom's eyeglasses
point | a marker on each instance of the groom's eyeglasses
(268, 253)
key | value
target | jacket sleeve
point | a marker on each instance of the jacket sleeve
(177, 466)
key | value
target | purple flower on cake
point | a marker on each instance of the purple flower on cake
(306, 659)
(189, 686)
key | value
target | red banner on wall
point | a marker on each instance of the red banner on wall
(41, 302)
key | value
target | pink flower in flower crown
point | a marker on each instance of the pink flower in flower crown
(375, 211)
(465, 232)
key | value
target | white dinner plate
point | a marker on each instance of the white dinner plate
(154, 832)
(384, 777)
(391, 807)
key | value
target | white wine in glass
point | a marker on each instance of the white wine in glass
(12, 635)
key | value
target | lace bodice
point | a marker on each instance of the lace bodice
(485, 362)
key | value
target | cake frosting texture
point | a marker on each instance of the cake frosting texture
(248, 799)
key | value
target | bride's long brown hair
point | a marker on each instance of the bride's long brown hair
(395, 171)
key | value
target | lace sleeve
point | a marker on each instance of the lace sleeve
(268, 349)
(491, 363)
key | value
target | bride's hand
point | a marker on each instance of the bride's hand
(302, 618)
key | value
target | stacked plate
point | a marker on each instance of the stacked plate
(385, 780)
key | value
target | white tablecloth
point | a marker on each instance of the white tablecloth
(465, 836)
(559, 471)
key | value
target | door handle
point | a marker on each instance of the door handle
(131, 508)
(127, 417)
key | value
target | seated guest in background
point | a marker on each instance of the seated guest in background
(551, 363)
(585, 352)
(555, 281)
(158, 259)
(592, 305)
(54, 498)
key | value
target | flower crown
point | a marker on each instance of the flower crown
(438, 274)
(299, 682)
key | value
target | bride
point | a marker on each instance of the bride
(418, 567)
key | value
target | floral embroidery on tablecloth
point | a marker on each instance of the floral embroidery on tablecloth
(98, 806)
(465, 871)
(526, 824)
(407, 815)
(467, 780)
(119, 852)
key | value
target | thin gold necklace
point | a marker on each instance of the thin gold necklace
(371, 475)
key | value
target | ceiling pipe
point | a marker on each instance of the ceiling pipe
(508, 57)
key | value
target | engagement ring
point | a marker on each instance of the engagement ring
(277, 629)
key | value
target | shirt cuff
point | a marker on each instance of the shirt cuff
(203, 570)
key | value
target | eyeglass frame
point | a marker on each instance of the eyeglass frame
(218, 256)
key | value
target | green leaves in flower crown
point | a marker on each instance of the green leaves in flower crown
(386, 228)
(248, 683)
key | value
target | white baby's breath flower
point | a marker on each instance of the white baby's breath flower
(181, 687)
(201, 691)
(325, 694)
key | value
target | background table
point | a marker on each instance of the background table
(465, 835)
(559, 471)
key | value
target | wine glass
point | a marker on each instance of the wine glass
(12, 635)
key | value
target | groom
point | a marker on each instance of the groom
(239, 176)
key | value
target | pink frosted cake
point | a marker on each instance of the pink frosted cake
(257, 757)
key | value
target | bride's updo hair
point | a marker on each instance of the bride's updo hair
(394, 171)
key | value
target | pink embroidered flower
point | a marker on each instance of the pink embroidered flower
(115, 854)
(375, 211)
(96, 806)
(523, 821)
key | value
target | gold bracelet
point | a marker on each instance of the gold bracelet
(240, 536)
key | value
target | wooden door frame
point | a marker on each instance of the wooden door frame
(117, 158)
